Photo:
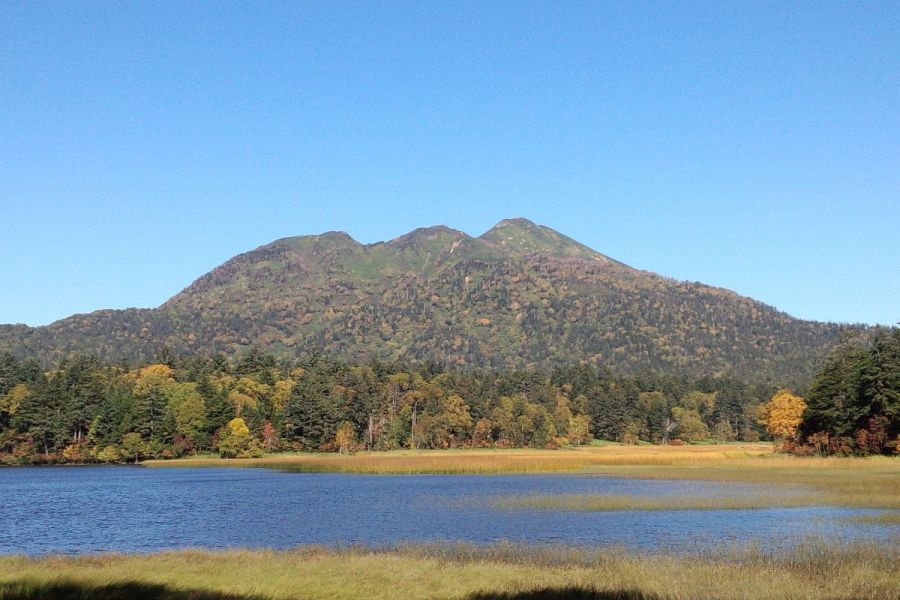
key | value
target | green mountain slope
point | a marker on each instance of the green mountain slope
(519, 295)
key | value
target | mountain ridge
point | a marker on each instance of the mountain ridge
(518, 295)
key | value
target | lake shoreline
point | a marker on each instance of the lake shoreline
(859, 482)
(128, 509)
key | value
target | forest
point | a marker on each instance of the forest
(88, 410)
(853, 405)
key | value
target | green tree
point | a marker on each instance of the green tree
(456, 419)
(219, 411)
(312, 413)
(690, 426)
(856, 396)
(133, 446)
(188, 408)
(151, 398)
(723, 431)
(506, 430)
(38, 416)
(111, 417)
(579, 430)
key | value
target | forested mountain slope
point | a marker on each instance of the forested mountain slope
(520, 295)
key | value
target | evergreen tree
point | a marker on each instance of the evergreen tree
(880, 378)
(855, 398)
(219, 411)
(110, 420)
(833, 405)
(309, 418)
(37, 417)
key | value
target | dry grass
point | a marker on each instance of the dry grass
(872, 482)
(486, 461)
(504, 571)
(853, 482)
(622, 502)
(884, 518)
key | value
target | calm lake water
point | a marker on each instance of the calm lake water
(134, 509)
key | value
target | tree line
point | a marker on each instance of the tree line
(89, 410)
(853, 405)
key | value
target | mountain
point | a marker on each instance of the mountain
(519, 295)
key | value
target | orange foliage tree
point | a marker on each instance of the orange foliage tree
(782, 414)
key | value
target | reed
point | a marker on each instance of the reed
(504, 571)
(487, 461)
(870, 482)
(883, 518)
(620, 502)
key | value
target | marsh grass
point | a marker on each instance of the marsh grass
(484, 461)
(622, 502)
(884, 518)
(872, 482)
(810, 570)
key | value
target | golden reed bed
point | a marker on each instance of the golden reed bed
(857, 482)
(502, 572)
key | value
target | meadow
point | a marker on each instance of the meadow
(460, 572)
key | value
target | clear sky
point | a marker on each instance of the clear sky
(753, 146)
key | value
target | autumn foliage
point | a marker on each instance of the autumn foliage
(782, 415)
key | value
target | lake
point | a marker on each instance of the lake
(45, 510)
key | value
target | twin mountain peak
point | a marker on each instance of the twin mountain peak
(514, 237)
(521, 295)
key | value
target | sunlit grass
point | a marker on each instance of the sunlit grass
(815, 570)
(884, 518)
(486, 461)
(871, 482)
(621, 502)
(853, 482)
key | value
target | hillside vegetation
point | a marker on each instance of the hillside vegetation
(521, 295)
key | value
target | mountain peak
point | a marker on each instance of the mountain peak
(427, 236)
(524, 236)
(520, 222)
(329, 239)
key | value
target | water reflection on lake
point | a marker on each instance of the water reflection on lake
(134, 509)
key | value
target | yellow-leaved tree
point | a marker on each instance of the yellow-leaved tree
(236, 441)
(782, 414)
(455, 419)
(9, 403)
(345, 437)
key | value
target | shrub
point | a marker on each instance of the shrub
(75, 453)
(109, 454)
(236, 441)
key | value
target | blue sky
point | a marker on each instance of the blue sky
(753, 146)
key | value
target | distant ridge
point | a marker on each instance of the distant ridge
(519, 295)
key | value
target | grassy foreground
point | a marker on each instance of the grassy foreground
(872, 482)
(463, 572)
